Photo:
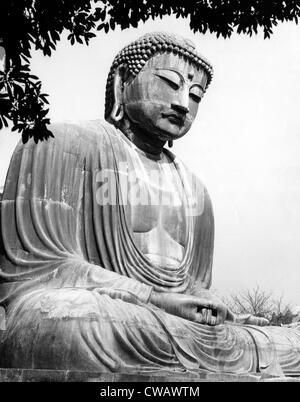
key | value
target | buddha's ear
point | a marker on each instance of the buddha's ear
(117, 112)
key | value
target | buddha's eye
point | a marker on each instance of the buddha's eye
(169, 77)
(196, 93)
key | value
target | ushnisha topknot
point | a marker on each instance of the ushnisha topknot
(136, 54)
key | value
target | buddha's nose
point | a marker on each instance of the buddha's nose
(181, 104)
(182, 109)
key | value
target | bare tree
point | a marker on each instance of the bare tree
(261, 303)
(282, 312)
(252, 301)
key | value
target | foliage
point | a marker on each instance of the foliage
(282, 313)
(260, 303)
(27, 24)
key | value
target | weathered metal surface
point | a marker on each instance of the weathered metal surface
(108, 244)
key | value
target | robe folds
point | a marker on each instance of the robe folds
(75, 286)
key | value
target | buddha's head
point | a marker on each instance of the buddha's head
(155, 85)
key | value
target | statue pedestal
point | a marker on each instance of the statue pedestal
(27, 375)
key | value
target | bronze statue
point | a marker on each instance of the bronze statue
(108, 238)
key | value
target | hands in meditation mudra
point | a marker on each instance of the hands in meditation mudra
(108, 238)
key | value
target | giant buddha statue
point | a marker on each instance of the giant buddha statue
(107, 238)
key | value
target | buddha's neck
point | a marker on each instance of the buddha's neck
(143, 140)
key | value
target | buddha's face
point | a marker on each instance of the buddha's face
(163, 98)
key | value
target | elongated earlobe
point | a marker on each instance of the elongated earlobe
(117, 112)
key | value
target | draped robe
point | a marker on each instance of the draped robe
(76, 288)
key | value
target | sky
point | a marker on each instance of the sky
(244, 144)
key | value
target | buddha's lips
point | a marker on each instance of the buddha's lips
(177, 119)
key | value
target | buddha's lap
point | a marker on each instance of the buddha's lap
(65, 305)
(80, 323)
(60, 310)
(77, 329)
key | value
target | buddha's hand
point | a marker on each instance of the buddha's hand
(202, 310)
(249, 319)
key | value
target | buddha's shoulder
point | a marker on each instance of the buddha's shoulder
(89, 132)
(81, 136)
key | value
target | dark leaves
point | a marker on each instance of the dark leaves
(22, 102)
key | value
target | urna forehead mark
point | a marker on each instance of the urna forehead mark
(187, 70)
(191, 75)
